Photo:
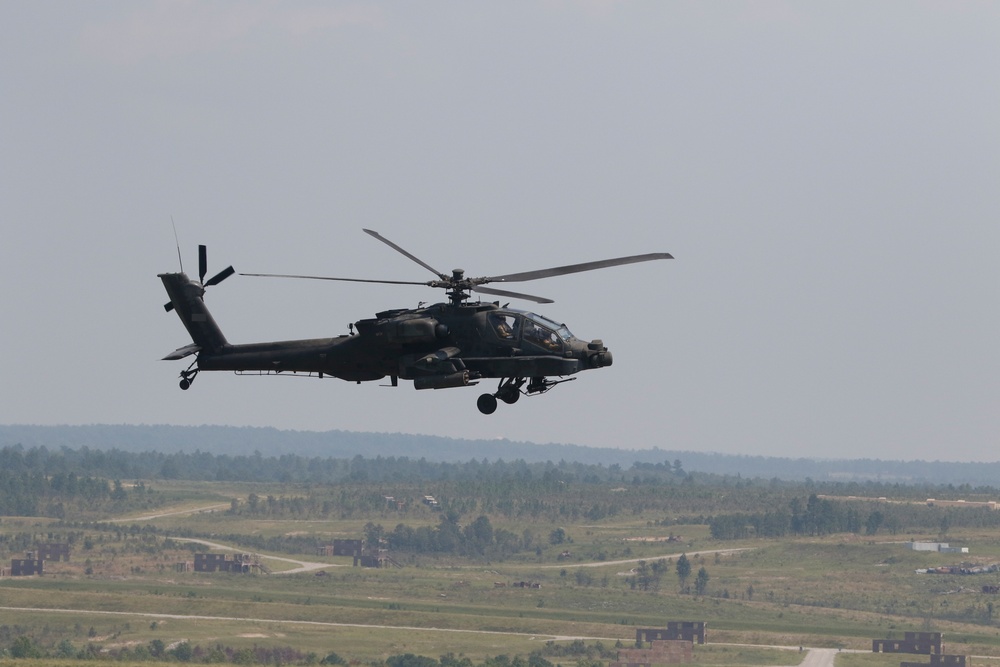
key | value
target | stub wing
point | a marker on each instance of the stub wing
(182, 352)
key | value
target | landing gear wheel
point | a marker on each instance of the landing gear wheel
(509, 396)
(509, 390)
(487, 404)
(188, 375)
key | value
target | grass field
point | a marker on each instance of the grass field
(121, 589)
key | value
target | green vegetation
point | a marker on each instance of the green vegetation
(513, 565)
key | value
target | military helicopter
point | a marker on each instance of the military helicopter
(445, 345)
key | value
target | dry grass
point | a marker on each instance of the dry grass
(836, 592)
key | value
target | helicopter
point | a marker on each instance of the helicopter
(439, 346)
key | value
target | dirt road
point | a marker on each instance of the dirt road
(193, 510)
(648, 559)
(303, 566)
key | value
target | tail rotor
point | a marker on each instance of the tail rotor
(202, 271)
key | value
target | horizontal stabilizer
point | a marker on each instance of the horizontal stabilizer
(182, 352)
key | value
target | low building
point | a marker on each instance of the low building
(239, 563)
(56, 551)
(692, 631)
(347, 547)
(26, 567)
(921, 643)
(940, 547)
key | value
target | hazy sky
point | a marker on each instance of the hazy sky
(827, 175)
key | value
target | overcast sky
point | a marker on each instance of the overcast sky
(827, 175)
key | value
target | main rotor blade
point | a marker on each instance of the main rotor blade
(395, 247)
(514, 295)
(346, 280)
(577, 268)
(220, 276)
(202, 263)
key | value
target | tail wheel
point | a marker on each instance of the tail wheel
(188, 375)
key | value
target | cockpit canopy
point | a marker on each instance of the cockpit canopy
(532, 329)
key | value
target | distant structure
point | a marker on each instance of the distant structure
(341, 548)
(662, 652)
(239, 563)
(692, 631)
(940, 547)
(923, 643)
(32, 563)
(364, 555)
(375, 557)
(392, 503)
(26, 567)
(56, 551)
(961, 569)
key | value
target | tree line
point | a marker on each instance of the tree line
(822, 516)
(31, 493)
(70, 483)
(477, 539)
(19, 644)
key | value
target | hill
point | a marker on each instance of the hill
(347, 444)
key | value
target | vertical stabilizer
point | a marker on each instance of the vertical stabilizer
(187, 298)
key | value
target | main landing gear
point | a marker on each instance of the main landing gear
(187, 376)
(509, 391)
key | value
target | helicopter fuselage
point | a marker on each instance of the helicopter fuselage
(437, 346)
(444, 345)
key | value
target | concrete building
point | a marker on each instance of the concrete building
(923, 643)
(941, 547)
(239, 563)
(26, 567)
(56, 551)
(692, 631)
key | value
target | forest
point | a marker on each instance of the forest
(39, 482)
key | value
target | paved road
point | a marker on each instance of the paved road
(812, 657)
(819, 657)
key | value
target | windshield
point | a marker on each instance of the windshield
(560, 329)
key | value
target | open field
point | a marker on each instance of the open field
(120, 589)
